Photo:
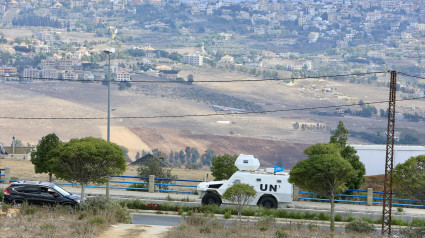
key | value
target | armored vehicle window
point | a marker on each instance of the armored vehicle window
(279, 181)
(258, 180)
(236, 181)
(245, 161)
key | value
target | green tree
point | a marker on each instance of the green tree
(88, 160)
(324, 172)
(241, 195)
(409, 178)
(348, 152)
(223, 166)
(154, 167)
(42, 156)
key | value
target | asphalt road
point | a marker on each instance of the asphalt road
(156, 219)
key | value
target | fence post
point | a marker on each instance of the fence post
(296, 193)
(370, 196)
(151, 183)
(6, 175)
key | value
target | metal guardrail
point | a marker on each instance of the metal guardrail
(362, 197)
(144, 183)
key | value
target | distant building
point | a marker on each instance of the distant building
(313, 36)
(48, 63)
(7, 71)
(193, 59)
(227, 59)
(70, 76)
(123, 76)
(49, 74)
(31, 73)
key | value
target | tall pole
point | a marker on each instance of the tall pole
(108, 129)
(13, 146)
(388, 183)
(108, 134)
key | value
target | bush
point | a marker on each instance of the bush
(338, 217)
(112, 210)
(1, 195)
(228, 214)
(96, 220)
(280, 233)
(413, 232)
(27, 209)
(359, 226)
(138, 187)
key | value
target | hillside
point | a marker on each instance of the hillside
(268, 151)
(172, 116)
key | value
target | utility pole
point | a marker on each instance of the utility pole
(388, 183)
(108, 133)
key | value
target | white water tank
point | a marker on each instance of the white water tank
(247, 163)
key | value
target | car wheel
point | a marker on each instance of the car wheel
(268, 202)
(211, 199)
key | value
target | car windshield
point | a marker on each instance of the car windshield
(61, 190)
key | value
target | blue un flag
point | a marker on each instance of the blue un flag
(278, 168)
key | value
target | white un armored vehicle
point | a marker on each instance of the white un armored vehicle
(272, 188)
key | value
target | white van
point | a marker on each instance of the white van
(272, 188)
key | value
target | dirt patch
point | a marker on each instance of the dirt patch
(134, 231)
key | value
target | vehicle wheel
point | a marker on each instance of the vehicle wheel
(268, 202)
(211, 199)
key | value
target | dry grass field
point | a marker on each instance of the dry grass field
(202, 226)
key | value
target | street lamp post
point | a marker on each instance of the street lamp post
(108, 133)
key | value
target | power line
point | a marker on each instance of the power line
(412, 76)
(202, 115)
(203, 81)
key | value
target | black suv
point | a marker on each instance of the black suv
(39, 193)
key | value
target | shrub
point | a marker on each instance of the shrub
(324, 217)
(399, 209)
(359, 226)
(280, 233)
(413, 232)
(47, 226)
(195, 220)
(338, 217)
(205, 229)
(1, 195)
(96, 220)
(112, 210)
(82, 215)
(398, 222)
(266, 221)
(180, 211)
(418, 222)
(228, 214)
(28, 209)
(138, 187)
(4, 207)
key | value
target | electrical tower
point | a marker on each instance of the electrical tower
(388, 183)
